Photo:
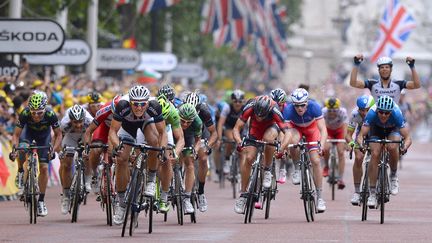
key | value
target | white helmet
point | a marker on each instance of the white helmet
(76, 113)
(139, 92)
(192, 99)
(299, 95)
(384, 60)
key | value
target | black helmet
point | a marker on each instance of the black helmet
(262, 106)
(168, 91)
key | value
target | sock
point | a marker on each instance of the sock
(372, 189)
(152, 175)
(164, 196)
(357, 187)
(187, 194)
(66, 192)
(393, 173)
(121, 197)
(201, 187)
(318, 192)
(41, 197)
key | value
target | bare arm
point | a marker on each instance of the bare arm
(406, 135)
(112, 135)
(88, 133)
(363, 132)
(57, 139)
(354, 82)
(163, 139)
(213, 135)
(178, 135)
(415, 83)
(220, 125)
(323, 131)
(15, 136)
(236, 130)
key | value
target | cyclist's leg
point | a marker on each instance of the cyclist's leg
(249, 154)
(152, 138)
(340, 148)
(326, 151)
(295, 136)
(122, 162)
(165, 168)
(270, 135)
(100, 135)
(312, 134)
(393, 149)
(43, 164)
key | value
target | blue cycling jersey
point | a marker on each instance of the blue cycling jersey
(312, 114)
(396, 119)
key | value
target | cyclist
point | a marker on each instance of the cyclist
(336, 120)
(279, 96)
(209, 133)
(364, 103)
(384, 120)
(73, 126)
(94, 103)
(265, 122)
(133, 112)
(168, 92)
(227, 120)
(385, 85)
(191, 125)
(34, 123)
(305, 116)
(174, 132)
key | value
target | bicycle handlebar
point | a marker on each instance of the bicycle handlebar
(260, 143)
(332, 140)
(301, 144)
(142, 146)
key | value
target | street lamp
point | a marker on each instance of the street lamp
(307, 57)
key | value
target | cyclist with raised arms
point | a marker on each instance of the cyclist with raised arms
(175, 138)
(384, 121)
(209, 133)
(191, 125)
(358, 114)
(227, 120)
(336, 120)
(34, 123)
(265, 122)
(385, 85)
(279, 96)
(305, 116)
(73, 126)
(135, 111)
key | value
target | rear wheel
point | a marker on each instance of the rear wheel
(332, 178)
(32, 202)
(76, 195)
(383, 191)
(108, 191)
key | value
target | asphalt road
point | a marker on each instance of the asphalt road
(408, 216)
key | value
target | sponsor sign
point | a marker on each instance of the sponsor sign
(187, 70)
(117, 59)
(8, 68)
(73, 52)
(158, 61)
(30, 36)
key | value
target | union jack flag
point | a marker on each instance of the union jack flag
(395, 27)
(146, 6)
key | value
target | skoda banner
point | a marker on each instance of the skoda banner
(117, 59)
(8, 69)
(30, 36)
(73, 52)
(158, 61)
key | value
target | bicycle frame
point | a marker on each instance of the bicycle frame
(334, 164)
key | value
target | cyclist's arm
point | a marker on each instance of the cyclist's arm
(349, 134)
(57, 139)
(163, 138)
(220, 125)
(236, 130)
(197, 143)
(88, 133)
(112, 134)
(15, 136)
(363, 132)
(213, 136)
(354, 82)
(407, 137)
(286, 137)
(323, 130)
(179, 137)
(415, 83)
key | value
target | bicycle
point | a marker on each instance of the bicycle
(135, 199)
(383, 185)
(307, 185)
(234, 168)
(78, 192)
(334, 164)
(105, 181)
(176, 194)
(254, 188)
(31, 186)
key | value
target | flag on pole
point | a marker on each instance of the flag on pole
(146, 6)
(395, 27)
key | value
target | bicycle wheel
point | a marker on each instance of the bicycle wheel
(250, 201)
(270, 193)
(130, 193)
(194, 202)
(234, 172)
(138, 199)
(108, 191)
(332, 178)
(311, 198)
(178, 198)
(307, 195)
(221, 168)
(365, 193)
(383, 191)
(150, 201)
(32, 202)
(76, 194)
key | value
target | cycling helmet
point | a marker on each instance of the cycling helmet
(237, 95)
(299, 95)
(332, 103)
(187, 112)
(365, 101)
(168, 91)
(385, 103)
(165, 104)
(139, 93)
(262, 106)
(193, 99)
(76, 113)
(38, 100)
(94, 97)
(278, 95)
(114, 102)
(384, 60)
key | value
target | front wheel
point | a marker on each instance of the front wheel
(76, 195)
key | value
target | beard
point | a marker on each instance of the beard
(385, 78)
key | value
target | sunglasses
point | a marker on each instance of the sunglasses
(386, 113)
(332, 110)
(37, 113)
(365, 109)
(300, 105)
(138, 103)
(185, 121)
